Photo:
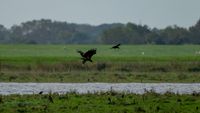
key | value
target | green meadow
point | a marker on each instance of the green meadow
(102, 102)
(130, 63)
(104, 53)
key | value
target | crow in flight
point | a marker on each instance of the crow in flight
(40, 92)
(87, 55)
(116, 46)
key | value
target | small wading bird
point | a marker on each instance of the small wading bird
(116, 46)
(50, 99)
(87, 55)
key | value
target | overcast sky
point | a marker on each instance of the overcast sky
(154, 13)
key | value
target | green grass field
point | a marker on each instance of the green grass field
(104, 53)
(131, 63)
(108, 102)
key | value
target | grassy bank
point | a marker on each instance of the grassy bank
(110, 77)
(181, 71)
(109, 102)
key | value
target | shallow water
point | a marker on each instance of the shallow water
(62, 88)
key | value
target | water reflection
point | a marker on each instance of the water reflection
(62, 88)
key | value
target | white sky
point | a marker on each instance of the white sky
(154, 13)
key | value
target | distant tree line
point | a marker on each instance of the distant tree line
(46, 31)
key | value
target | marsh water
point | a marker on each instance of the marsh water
(62, 88)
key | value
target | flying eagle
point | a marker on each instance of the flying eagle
(87, 55)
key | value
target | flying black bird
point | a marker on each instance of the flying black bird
(87, 55)
(40, 92)
(116, 46)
